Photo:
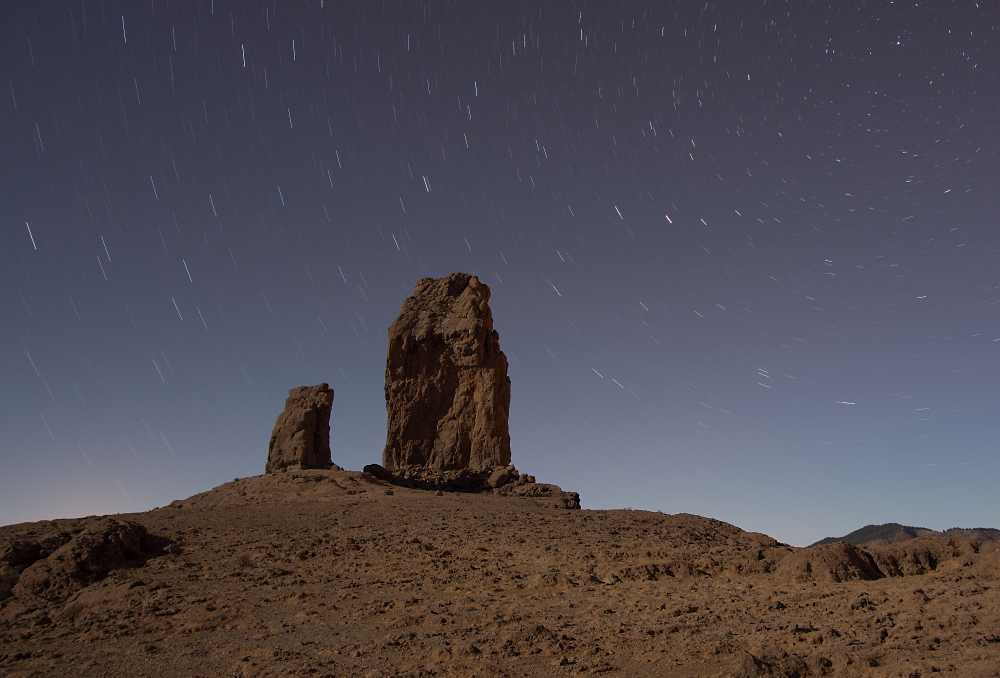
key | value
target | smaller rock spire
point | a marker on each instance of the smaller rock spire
(301, 436)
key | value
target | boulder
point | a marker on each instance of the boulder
(501, 477)
(301, 436)
(447, 393)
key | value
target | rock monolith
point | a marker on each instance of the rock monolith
(301, 436)
(447, 393)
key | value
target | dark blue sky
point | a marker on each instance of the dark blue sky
(745, 259)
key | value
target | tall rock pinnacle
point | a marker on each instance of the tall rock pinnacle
(447, 393)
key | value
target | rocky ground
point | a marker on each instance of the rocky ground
(334, 573)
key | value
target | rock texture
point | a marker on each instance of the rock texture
(52, 559)
(447, 393)
(301, 436)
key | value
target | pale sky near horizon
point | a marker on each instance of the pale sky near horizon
(744, 259)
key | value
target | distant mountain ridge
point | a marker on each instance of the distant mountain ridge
(889, 533)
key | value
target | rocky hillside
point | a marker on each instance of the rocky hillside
(336, 573)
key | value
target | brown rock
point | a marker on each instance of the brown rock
(501, 477)
(920, 555)
(60, 561)
(836, 562)
(446, 387)
(378, 472)
(301, 436)
(553, 493)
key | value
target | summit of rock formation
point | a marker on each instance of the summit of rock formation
(301, 435)
(447, 393)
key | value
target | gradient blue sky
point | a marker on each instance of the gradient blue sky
(745, 258)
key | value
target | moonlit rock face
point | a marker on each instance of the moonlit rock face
(301, 436)
(447, 393)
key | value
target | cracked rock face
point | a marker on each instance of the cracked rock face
(447, 393)
(301, 436)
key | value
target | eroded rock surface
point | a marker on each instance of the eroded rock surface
(52, 559)
(301, 436)
(447, 392)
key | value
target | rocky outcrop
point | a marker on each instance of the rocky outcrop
(447, 393)
(503, 480)
(301, 436)
(447, 396)
(51, 560)
(923, 555)
(831, 563)
(552, 494)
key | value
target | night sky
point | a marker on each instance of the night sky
(744, 257)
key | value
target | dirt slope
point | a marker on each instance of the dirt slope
(335, 574)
